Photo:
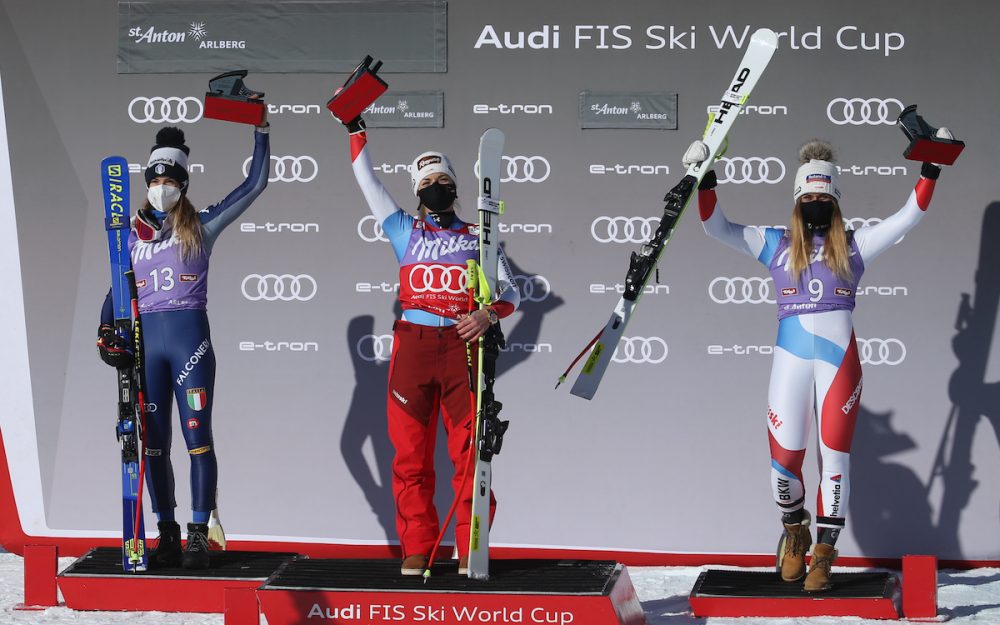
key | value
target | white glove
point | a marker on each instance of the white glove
(696, 153)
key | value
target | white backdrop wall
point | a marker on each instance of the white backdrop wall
(672, 453)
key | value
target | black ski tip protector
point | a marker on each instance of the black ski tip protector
(229, 99)
(360, 90)
(925, 146)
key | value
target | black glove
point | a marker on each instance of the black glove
(356, 125)
(930, 171)
(708, 181)
(112, 348)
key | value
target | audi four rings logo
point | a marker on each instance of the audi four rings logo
(640, 350)
(272, 287)
(370, 230)
(289, 168)
(751, 170)
(881, 351)
(751, 290)
(861, 111)
(523, 169)
(172, 110)
(623, 229)
(534, 288)
(374, 347)
(438, 279)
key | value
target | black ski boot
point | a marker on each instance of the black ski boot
(196, 551)
(168, 546)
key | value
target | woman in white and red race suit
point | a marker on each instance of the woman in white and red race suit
(428, 373)
(816, 264)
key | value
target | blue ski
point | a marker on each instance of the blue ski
(115, 187)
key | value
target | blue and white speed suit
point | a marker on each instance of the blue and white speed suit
(816, 368)
(179, 358)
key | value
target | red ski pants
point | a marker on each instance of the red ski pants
(428, 375)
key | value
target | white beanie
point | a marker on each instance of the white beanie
(429, 163)
(817, 173)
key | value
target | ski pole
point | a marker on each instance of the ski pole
(586, 349)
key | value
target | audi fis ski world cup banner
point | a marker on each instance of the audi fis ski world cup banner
(598, 105)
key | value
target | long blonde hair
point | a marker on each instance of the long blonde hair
(186, 227)
(836, 252)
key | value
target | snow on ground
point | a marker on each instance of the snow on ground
(964, 598)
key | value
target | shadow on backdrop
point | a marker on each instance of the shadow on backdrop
(537, 300)
(365, 421)
(971, 396)
(366, 416)
(889, 507)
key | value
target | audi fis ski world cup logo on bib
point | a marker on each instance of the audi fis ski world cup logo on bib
(288, 169)
(452, 279)
(863, 111)
(881, 351)
(739, 290)
(640, 350)
(621, 229)
(165, 110)
(750, 170)
(374, 347)
(273, 287)
(522, 169)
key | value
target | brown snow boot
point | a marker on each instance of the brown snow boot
(792, 549)
(818, 579)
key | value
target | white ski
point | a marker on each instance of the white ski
(489, 429)
(763, 43)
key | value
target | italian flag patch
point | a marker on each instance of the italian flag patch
(197, 398)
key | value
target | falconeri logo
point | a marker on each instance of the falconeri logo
(195, 33)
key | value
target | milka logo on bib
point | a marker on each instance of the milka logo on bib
(435, 248)
(145, 250)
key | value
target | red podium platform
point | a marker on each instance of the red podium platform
(372, 592)
(872, 595)
(96, 582)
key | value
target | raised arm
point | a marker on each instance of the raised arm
(215, 218)
(875, 239)
(750, 240)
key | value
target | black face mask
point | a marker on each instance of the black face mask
(438, 197)
(817, 215)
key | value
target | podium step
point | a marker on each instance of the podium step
(96, 581)
(581, 592)
(753, 593)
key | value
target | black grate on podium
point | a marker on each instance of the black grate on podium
(532, 577)
(107, 562)
(723, 583)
